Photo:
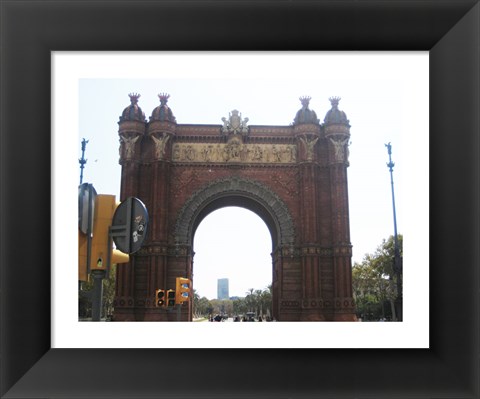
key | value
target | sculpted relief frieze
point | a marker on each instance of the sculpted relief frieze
(234, 151)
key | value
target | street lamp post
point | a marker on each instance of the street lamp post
(82, 160)
(397, 263)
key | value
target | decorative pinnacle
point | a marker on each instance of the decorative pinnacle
(134, 98)
(305, 100)
(334, 101)
(163, 98)
(390, 164)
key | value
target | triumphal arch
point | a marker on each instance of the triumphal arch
(294, 177)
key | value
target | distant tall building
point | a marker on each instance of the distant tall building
(222, 288)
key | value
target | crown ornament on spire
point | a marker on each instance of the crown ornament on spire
(163, 113)
(163, 98)
(305, 100)
(134, 98)
(334, 101)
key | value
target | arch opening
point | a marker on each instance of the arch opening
(236, 192)
(242, 202)
(233, 243)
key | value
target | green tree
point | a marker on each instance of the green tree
(374, 282)
(258, 301)
(85, 302)
(222, 306)
(250, 301)
(201, 306)
(109, 292)
(239, 306)
(266, 299)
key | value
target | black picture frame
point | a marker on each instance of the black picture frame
(30, 30)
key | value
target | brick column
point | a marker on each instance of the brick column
(308, 136)
(338, 136)
(161, 136)
(131, 134)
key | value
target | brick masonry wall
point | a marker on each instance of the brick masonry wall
(310, 275)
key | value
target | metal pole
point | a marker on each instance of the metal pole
(397, 264)
(89, 226)
(82, 160)
(179, 312)
(97, 295)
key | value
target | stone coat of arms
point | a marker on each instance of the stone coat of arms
(234, 124)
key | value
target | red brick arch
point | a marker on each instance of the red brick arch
(293, 177)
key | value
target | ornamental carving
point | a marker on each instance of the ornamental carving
(160, 142)
(340, 147)
(234, 186)
(309, 143)
(289, 184)
(127, 146)
(234, 151)
(235, 124)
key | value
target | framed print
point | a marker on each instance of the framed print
(33, 366)
(377, 87)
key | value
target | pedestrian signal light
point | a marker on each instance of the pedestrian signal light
(159, 298)
(183, 288)
(170, 298)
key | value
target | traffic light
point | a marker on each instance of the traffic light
(170, 298)
(159, 298)
(182, 294)
(102, 246)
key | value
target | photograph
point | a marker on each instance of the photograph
(189, 163)
(80, 133)
(265, 204)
